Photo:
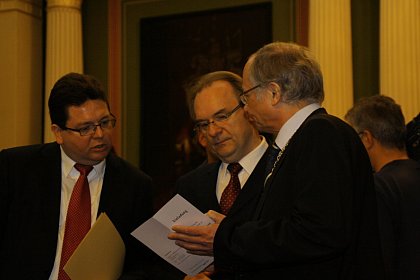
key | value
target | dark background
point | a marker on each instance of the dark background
(174, 50)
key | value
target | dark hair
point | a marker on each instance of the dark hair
(413, 138)
(292, 67)
(206, 80)
(382, 117)
(73, 89)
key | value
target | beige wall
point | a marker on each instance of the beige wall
(20, 73)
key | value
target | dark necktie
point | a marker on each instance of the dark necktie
(272, 152)
(233, 188)
(78, 218)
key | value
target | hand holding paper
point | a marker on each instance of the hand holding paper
(154, 234)
(197, 240)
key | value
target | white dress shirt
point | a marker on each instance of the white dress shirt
(292, 124)
(69, 176)
(248, 164)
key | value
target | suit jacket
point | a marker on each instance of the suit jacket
(30, 190)
(199, 188)
(317, 216)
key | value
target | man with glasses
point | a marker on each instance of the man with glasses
(218, 114)
(316, 218)
(40, 210)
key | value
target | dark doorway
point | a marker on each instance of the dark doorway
(174, 50)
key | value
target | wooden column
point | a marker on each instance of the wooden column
(64, 52)
(330, 41)
(400, 53)
(20, 72)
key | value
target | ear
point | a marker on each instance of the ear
(57, 133)
(275, 90)
(367, 139)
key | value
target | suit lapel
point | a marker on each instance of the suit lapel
(253, 186)
(208, 183)
(48, 170)
(268, 184)
(296, 134)
(110, 189)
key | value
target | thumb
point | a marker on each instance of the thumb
(215, 216)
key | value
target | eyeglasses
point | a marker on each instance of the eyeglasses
(203, 126)
(90, 129)
(243, 96)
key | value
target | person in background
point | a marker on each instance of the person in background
(316, 218)
(380, 124)
(51, 194)
(217, 111)
(413, 138)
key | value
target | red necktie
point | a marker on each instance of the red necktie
(233, 188)
(78, 217)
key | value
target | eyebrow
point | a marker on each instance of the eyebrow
(221, 111)
(91, 122)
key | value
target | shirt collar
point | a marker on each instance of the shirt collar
(292, 124)
(67, 165)
(249, 161)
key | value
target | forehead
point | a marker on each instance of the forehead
(218, 96)
(90, 111)
(246, 73)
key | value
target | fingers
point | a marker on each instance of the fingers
(189, 230)
(201, 276)
(196, 240)
(215, 216)
(194, 246)
(186, 237)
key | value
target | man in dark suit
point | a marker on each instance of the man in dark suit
(229, 135)
(37, 182)
(380, 123)
(317, 216)
(216, 108)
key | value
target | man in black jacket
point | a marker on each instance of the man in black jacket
(37, 182)
(317, 216)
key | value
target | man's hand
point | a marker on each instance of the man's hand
(216, 216)
(200, 276)
(197, 240)
(204, 275)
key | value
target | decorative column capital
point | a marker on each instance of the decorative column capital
(74, 4)
(31, 7)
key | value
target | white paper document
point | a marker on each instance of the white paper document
(154, 234)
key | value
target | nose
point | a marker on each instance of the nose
(99, 132)
(213, 129)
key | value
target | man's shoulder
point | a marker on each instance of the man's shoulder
(202, 170)
(121, 166)
(25, 152)
(325, 126)
(396, 172)
(323, 118)
(204, 175)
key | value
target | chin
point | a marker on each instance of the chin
(98, 157)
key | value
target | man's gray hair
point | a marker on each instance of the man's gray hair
(382, 117)
(292, 67)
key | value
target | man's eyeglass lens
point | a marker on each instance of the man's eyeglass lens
(91, 129)
(244, 94)
(217, 120)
